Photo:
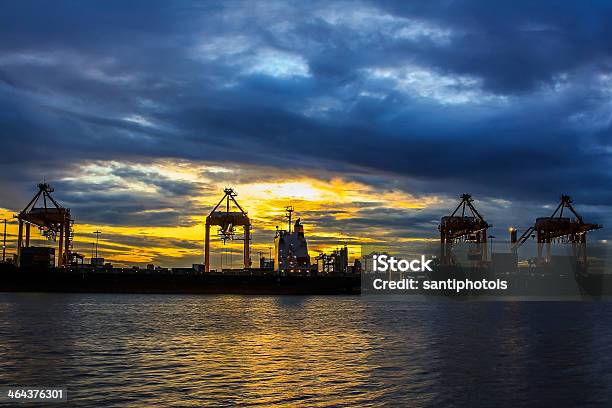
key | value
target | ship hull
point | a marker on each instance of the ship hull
(144, 283)
(533, 283)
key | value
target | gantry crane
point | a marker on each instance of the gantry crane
(228, 221)
(558, 228)
(51, 219)
(467, 226)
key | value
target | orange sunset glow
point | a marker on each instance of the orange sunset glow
(325, 206)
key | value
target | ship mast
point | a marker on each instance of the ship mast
(288, 214)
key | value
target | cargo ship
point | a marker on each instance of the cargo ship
(13, 279)
(464, 254)
(290, 272)
(561, 266)
(567, 282)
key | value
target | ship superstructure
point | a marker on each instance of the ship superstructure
(291, 248)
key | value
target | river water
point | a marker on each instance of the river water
(149, 350)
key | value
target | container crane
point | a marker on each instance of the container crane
(227, 221)
(53, 221)
(466, 225)
(557, 228)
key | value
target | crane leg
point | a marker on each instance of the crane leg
(207, 249)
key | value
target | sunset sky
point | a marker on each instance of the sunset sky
(370, 118)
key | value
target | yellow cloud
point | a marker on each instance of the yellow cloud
(264, 199)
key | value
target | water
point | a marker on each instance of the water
(111, 350)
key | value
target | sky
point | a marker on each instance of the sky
(370, 118)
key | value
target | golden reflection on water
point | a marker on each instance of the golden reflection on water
(270, 353)
(109, 349)
(149, 350)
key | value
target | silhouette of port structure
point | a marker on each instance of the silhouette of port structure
(228, 215)
(54, 223)
(467, 229)
(466, 226)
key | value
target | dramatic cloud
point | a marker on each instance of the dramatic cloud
(139, 112)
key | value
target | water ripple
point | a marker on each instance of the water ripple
(128, 350)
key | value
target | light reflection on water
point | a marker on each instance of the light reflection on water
(308, 351)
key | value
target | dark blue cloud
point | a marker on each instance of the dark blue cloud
(508, 100)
